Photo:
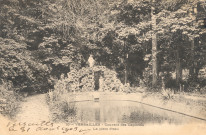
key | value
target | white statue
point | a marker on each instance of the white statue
(91, 61)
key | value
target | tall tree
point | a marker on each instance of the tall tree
(154, 48)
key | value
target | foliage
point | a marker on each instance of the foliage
(63, 111)
(62, 108)
(83, 80)
(9, 101)
(41, 40)
(61, 103)
(167, 94)
(17, 65)
(147, 76)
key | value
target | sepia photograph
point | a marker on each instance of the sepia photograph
(102, 67)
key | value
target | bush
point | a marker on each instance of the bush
(9, 101)
(61, 106)
(147, 78)
(63, 111)
(203, 90)
(83, 80)
(167, 93)
(60, 103)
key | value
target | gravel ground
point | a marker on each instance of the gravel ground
(34, 109)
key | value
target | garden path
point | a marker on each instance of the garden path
(34, 109)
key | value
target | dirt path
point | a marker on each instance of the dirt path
(34, 109)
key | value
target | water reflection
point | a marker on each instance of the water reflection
(124, 112)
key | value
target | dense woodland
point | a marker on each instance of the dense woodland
(147, 42)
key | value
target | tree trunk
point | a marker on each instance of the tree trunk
(178, 68)
(125, 62)
(125, 73)
(154, 50)
(191, 70)
(197, 69)
(192, 61)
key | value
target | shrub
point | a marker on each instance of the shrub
(63, 111)
(60, 103)
(167, 93)
(83, 80)
(147, 76)
(61, 106)
(203, 90)
(9, 101)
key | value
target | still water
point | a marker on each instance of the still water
(125, 112)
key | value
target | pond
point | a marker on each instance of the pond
(125, 112)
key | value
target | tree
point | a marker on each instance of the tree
(154, 50)
(160, 35)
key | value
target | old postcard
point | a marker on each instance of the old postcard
(107, 67)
